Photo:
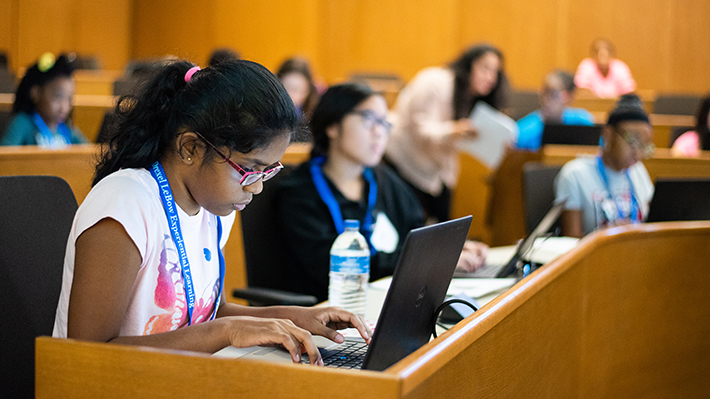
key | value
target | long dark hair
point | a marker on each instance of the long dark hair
(463, 101)
(236, 104)
(334, 105)
(39, 74)
(300, 65)
(701, 124)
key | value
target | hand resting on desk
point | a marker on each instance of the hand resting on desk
(473, 256)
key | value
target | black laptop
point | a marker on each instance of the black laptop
(571, 134)
(680, 200)
(421, 278)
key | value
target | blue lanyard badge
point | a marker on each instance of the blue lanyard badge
(327, 196)
(166, 195)
(46, 139)
(634, 214)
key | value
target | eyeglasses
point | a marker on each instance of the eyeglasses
(248, 177)
(370, 119)
(646, 150)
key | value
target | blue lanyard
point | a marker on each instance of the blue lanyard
(327, 196)
(50, 141)
(166, 195)
(634, 215)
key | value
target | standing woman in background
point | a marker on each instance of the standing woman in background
(144, 262)
(432, 113)
(43, 102)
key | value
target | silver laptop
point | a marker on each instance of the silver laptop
(506, 266)
(419, 284)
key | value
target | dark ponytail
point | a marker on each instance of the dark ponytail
(237, 104)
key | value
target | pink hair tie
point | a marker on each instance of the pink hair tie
(190, 72)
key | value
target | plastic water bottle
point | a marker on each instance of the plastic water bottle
(349, 269)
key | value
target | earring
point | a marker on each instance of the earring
(189, 159)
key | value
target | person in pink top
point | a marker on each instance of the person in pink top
(689, 144)
(602, 74)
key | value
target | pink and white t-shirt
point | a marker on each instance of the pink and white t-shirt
(616, 83)
(157, 304)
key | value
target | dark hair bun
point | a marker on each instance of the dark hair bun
(628, 108)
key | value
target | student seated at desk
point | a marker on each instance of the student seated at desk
(613, 188)
(345, 180)
(144, 262)
(602, 74)
(689, 144)
(557, 93)
(43, 102)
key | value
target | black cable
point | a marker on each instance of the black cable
(445, 304)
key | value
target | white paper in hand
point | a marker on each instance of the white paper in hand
(495, 130)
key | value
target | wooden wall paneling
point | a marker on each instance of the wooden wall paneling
(44, 26)
(8, 30)
(104, 30)
(690, 51)
(181, 28)
(270, 31)
(525, 31)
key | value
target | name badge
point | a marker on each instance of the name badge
(384, 236)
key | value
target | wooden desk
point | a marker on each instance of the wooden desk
(608, 319)
(99, 82)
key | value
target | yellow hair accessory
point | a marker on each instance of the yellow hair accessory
(46, 62)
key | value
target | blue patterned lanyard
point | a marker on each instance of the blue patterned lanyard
(327, 196)
(166, 195)
(634, 215)
(50, 140)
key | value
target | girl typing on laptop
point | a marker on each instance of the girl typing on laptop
(144, 264)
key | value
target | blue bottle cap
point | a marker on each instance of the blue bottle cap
(352, 224)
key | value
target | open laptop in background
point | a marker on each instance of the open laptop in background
(509, 266)
(680, 200)
(571, 134)
(421, 278)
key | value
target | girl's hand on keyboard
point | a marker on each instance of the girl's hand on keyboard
(326, 321)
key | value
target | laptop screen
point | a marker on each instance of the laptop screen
(680, 199)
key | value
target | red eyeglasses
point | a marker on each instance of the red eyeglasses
(247, 177)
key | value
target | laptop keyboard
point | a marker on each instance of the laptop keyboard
(348, 355)
(487, 271)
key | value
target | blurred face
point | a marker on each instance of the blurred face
(215, 184)
(484, 74)
(602, 55)
(297, 87)
(362, 135)
(54, 100)
(553, 99)
(627, 144)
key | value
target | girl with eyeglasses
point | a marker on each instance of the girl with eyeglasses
(613, 188)
(345, 180)
(144, 262)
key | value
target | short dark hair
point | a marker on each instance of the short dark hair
(334, 105)
(463, 102)
(628, 108)
(236, 104)
(566, 78)
(39, 74)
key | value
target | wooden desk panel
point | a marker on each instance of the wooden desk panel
(611, 318)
